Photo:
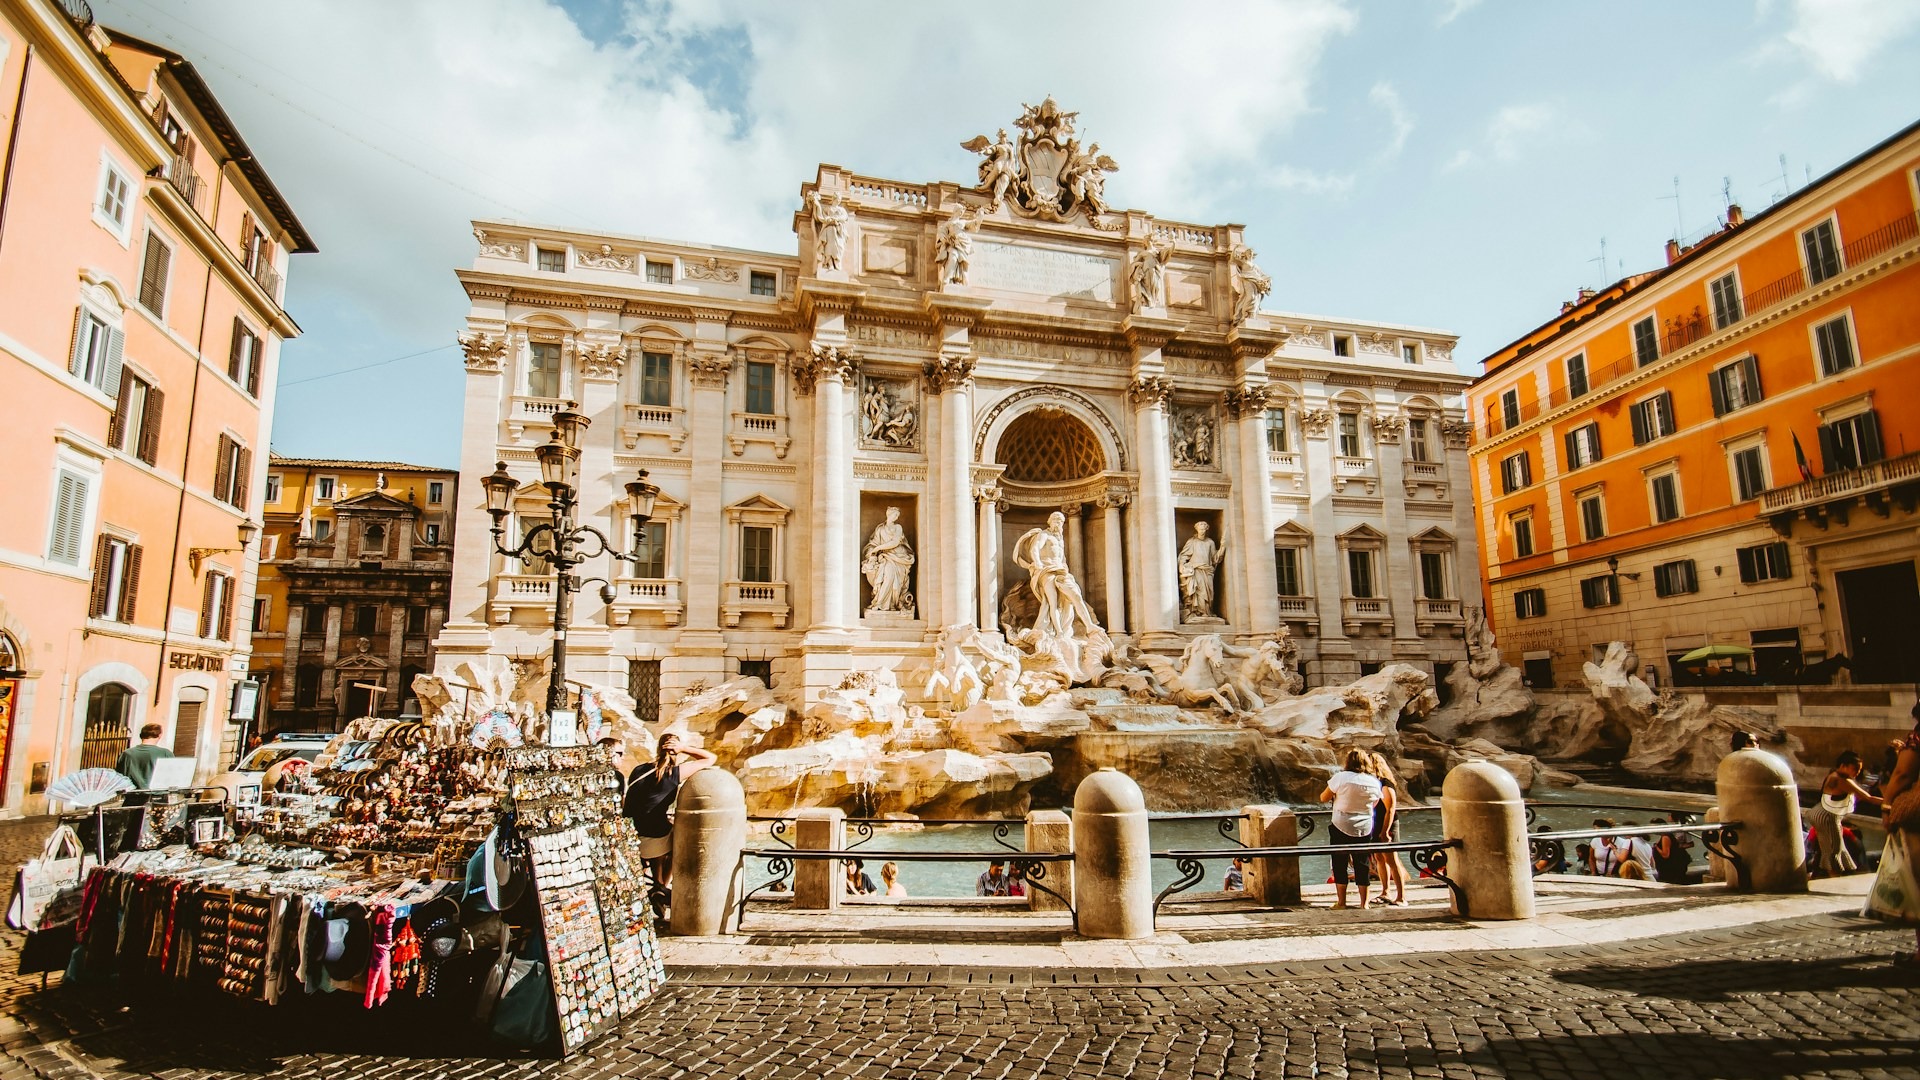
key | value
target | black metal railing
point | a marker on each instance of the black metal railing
(1192, 864)
(1721, 838)
(1028, 866)
(864, 827)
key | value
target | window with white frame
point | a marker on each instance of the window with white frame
(1747, 462)
(97, 347)
(1724, 291)
(216, 606)
(1349, 433)
(1410, 352)
(116, 579)
(756, 553)
(113, 202)
(1360, 572)
(244, 357)
(543, 369)
(1510, 408)
(763, 283)
(1583, 445)
(323, 529)
(1850, 441)
(1734, 386)
(1277, 441)
(760, 395)
(1529, 603)
(273, 489)
(1663, 493)
(323, 488)
(1674, 578)
(232, 467)
(651, 549)
(1646, 341)
(1520, 522)
(1822, 250)
(1576, 376)
(1764, 562)
(135, 424)
(1833, 340)
(1286, 571)
(1593, 513)
(656, 378)
(1418, 448)
(436, 492)
(1601, 591)
(1516, 471)
(552, 260)
(1653, 418)
(659, 273)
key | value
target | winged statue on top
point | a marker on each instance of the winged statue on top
(1047, 174)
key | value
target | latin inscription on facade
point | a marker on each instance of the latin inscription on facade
(1057, 274)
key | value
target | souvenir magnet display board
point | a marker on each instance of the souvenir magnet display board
(602, 954)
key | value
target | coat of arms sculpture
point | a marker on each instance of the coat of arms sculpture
(1047, 174)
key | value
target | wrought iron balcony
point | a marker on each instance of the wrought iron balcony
(186, 180)
(268, 277)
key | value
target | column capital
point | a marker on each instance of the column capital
(709, 370)
(1316, 421)
(1149, 391)
(486, 353)
(1113, 499)
(1248, 401)
(1073, 509)
(987, 493)
(601, 361)
(953, 371)
(1387, 429)
(830, 362)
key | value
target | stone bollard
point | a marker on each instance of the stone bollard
(1050, 830)
(1481, 806)
(709, 829)
(817, 882)
(1271, 882)
(1112, 857)
(1757, 793)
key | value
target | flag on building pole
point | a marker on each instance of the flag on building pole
(1800, 458)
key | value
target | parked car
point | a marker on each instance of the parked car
(244, 781)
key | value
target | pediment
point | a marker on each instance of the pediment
(376, 501)
(1363, 531)
(759, 504)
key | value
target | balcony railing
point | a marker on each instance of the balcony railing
(658, 595)
(1879, 476)
(745, 598)
(1427, 614)
(1678, 333)
(1366, 609)
(1296, 606)
(769, 428)
(186, 180)
(267, 276)
(537, 412)
(512, 591)
(667, 420)
(1424, 470)
(1283, 460)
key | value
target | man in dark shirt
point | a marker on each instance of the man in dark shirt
(136, 762)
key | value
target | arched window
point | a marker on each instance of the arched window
(11, 662)
(109, 720)
(377, 536)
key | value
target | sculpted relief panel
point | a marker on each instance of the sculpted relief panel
(1193, 431)
(889, 414)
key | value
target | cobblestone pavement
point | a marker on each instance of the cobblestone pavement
(1811, 997)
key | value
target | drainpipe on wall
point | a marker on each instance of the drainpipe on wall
(13, 139)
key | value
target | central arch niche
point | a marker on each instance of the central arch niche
(1049, 446)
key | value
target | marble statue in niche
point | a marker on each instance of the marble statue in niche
(1250, 284)
(888, 565)
(1199, 561)
(1193, 434)
(1042, 553)
(831, 219)
(888, 415)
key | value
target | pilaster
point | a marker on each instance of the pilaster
(1157, 611)
(1253, 496)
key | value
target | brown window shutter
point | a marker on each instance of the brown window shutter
(242, 467)
(246, 240)
(117, 423)
(130, 584)
(73, 343)
(102, 568)
(153, 275)
(206, 606)
(226, 608)
(235, 350)
(186, 147)
(223, 470)
(258, 350)
(149, 448)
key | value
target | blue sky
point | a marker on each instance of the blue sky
(1447, 163)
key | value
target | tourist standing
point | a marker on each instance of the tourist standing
(1353, 791)
(136, 762)
(890, 878)
(1900, 810)
(648, 803)
(1386, 830)
(1838, 794)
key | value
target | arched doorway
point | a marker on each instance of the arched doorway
(12, 712)
(109, 725)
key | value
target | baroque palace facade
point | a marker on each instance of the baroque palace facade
(851, 440)
(1723, 452)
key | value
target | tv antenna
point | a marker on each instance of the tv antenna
(1678, 220)
(1602, 260)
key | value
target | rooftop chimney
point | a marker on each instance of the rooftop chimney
(1735, 217)
(1673, 252)
(1566, 306)
(1585, 295)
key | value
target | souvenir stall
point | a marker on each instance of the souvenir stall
(436, 865)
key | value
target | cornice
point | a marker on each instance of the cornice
(179, 213)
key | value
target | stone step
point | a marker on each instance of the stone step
(1084, 696)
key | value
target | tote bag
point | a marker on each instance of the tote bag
(1895, 895)
(61, 864)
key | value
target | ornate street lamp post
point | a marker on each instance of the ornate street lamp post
(561, 542)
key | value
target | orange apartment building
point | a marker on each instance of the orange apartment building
(142, 252)
(1638, 458)
(356, 561)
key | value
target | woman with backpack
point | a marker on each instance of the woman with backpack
(648, 803)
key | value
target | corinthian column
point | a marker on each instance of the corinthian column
(1110, 504)
(834, 521)
(988, 555)
(1158, 609)
(951, 376)
(1253, 493)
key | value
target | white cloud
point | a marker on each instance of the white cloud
(1384, 95)
(1457, 8)
(1309, 182)
(1838, 38)
(1513, 130)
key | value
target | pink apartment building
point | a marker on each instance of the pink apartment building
(142, 254)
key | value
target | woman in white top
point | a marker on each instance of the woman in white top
(1839, 792)
(1353, 792)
